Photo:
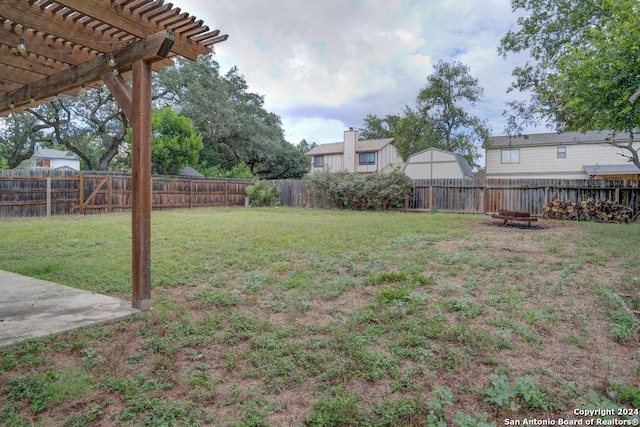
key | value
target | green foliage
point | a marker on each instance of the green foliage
(374, 191)
(19, 134)
(43, 391)
(261, 193)
(339, 409)
(345, 409)
(499, 392)
(213, 298)
(583, 68)
(440, 400)
(175, 142)
(377, 128)
(4, 163)
(463, 420)
(450, 90)
(239, 171)
(526, 392)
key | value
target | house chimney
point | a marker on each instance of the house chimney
(350, 147)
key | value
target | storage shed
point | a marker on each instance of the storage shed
(433, 163)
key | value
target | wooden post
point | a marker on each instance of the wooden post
(48, 196)
(81, 194)
(190, 193)
(141, 185)
(110, 195)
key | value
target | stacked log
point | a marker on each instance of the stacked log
(588, 210)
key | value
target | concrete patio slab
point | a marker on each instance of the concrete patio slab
(31, 308)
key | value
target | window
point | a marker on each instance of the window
(43, 163)
(367, 158)
(318, 161)
(562, 152)
(511, 156)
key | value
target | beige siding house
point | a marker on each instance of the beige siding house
(353, 155)
(433, 164)
(569, 155)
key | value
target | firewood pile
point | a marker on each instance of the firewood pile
(588, 210)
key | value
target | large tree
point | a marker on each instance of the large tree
(441, 117)
(233, 122)
(449, 94)
(90, 125)
(19, 136)
(585, 59)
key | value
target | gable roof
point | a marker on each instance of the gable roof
(49, 153)
(333, 148)
(589, 137)
(338, 147)
(374, 144)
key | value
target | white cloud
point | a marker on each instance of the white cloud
(323, 65)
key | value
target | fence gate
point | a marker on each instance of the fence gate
(109, 193)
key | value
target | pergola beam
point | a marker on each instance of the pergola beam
(153, 47)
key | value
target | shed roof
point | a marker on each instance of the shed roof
(48, 153)
(589, 137)
(54, 47)
(628, 168)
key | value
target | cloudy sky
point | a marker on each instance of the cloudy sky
(323, 65)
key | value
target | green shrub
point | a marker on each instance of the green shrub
(261, 193)
(373, 191)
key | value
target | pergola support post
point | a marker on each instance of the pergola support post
(141, 194)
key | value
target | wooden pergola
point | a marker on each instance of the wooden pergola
(50, 48)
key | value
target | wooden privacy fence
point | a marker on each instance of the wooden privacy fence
(42, 192)
(493, 195)
(485, 195)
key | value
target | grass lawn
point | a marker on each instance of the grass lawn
(286, 317)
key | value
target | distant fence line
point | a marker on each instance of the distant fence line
(485, 195)
(51, 192)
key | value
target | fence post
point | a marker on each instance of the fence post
(81, 193)
(190, 193)
(109, 194)
(48, 196)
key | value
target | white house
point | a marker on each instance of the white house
(353, 155)
(569, 155)
(433, 163)
(55, 159)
